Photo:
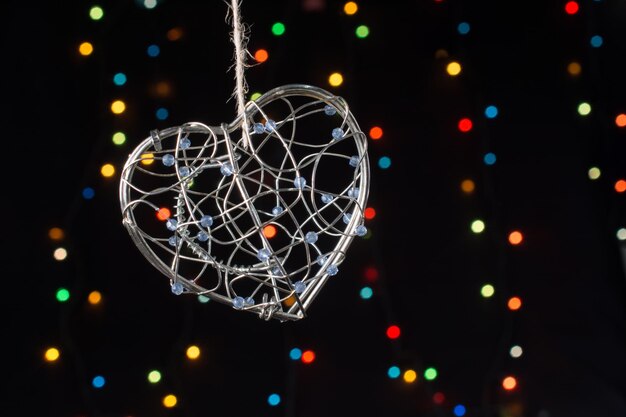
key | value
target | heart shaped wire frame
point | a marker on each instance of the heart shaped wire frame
(261, 222)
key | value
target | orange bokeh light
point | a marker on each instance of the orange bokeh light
(515, 237)
(163, 213)
(620, 120)
(515, 303)
(261, 55)
(468, 186)
(509, 383)
(376, 133)
(308, 356)
(369, 213)
(620, 186)
(269, 231)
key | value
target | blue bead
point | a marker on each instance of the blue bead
(353, 192)
(263, 254)
(347, 217)
(258, 128)
(299, 182)
(173, 240)
(226, 169)
(277, 210)
(177, 288)
(299, 287)
(326, 198)
(361, 230)
(310, 237)
(185, 143)
(277, 272)
(168, 160)
(171, 224)
(270, 126)
(184, 171)
(337, 133)
(249, 301)
(206, 221)
(202, 236)
(354, 161)
(329, 110)
(332, 270)
(238, 302)
(321, 260)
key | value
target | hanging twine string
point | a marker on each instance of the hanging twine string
(239, 39)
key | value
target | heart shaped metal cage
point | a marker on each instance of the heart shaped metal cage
(260, 226)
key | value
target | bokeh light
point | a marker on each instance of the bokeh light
(147, 158)
(620, 120)
(516, 351)
(174, 34)
(376, 132)
(468, 186)
(94, 297)
(193, 352)
(261, 55)
(273, 400)
(439, 398)
(594, 173)
(149, 4)
(384, 162)
(118, 107)
(153, 50)
(574, 69)
(489, 158)
(62, 295)
(369, 213)
(162, 113)
(621, 233)
(56, 233)
(203, 299)
(509, 383)
(478, 226)
(60, 254)
(88, 193)
(366, 293)
(620, 186)
(571, 7)
(350, 8)
(514, 303)
(52, 354)
(487, 290)
(459, 410)
(119, 138)
(453, 68)
(96, 13)
(463, 28)
(393, 372)
(295, 354)
(584, 109)
(107, 170)
(154, 376)
(269, 231)
(465, 125)
(308, 356)
(85, 49)
(393, 332)
(362, 31)
(491, 111)
(170, 401)
(430, 374)
(163, 213)
(596, 41)
(409, 376)
(98, 381)
(515, 237)
(335, 79)
(119, 79)
(278, 29)
(371, 274)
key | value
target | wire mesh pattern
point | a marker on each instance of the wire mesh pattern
(258, 220)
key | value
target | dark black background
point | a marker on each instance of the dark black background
(568, 271)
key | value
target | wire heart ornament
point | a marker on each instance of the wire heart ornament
(257, 219)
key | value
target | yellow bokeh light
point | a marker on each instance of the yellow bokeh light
(255, 96)
(193, 352)
(85, 49)
(52, 354)
(478, 226)
(594, 173)
(147, 158)
(335, 79)
(453, 68)
(487, 290)
(574, 68)
(409, 376)
(107, 170)
(60, 254)
(584, 109)
(94, 297)
(350, 8)
(118, 107)
(170, 400)
(56, 233)
(468, 186)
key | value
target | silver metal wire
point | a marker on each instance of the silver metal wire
(260, 227)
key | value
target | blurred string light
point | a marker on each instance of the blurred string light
(514, 303)
(574, 69)
(118, 138)
(56, 233)
(393, 332)
(453, 68)
(515, 237)
(278, 29)
(371, 274)
(52, 354)
(362, 31)
(594, 173)
(308, 356)
(620, 186)
(193, 352)
(509, 383)
(430, 374)
(393, 372)
(163, 213)
(478, 226)
(60, 254)
(88, 193)
(94, 297)
(621, 233)
(584, 108)
(465, 125)
(98, 381)
(119, 79)
(295, 354)
(409, 376)
(489, 158)
(459, 410)
(366, 293)
(85, 49)
(463, 28)
(468, 186)
(571, 7)
(261, 55)
(255, 96)
(118, 107)
(107, 170)
(154, 376)
(335, 79)
(62, 295)
(376, 132)
(369, 213)
(174, 34)
(203, 299)
(384, 162)
(96, 13)
(491, 112)
(147, 158)
(162, 113)
(150, 4)
(153, 51)
(516, 351)
(620, 120)
(596, 41)
(170, 401)
(439, 398)
(273, 400)
(269, 231)
(487, 290)
(350, 8)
